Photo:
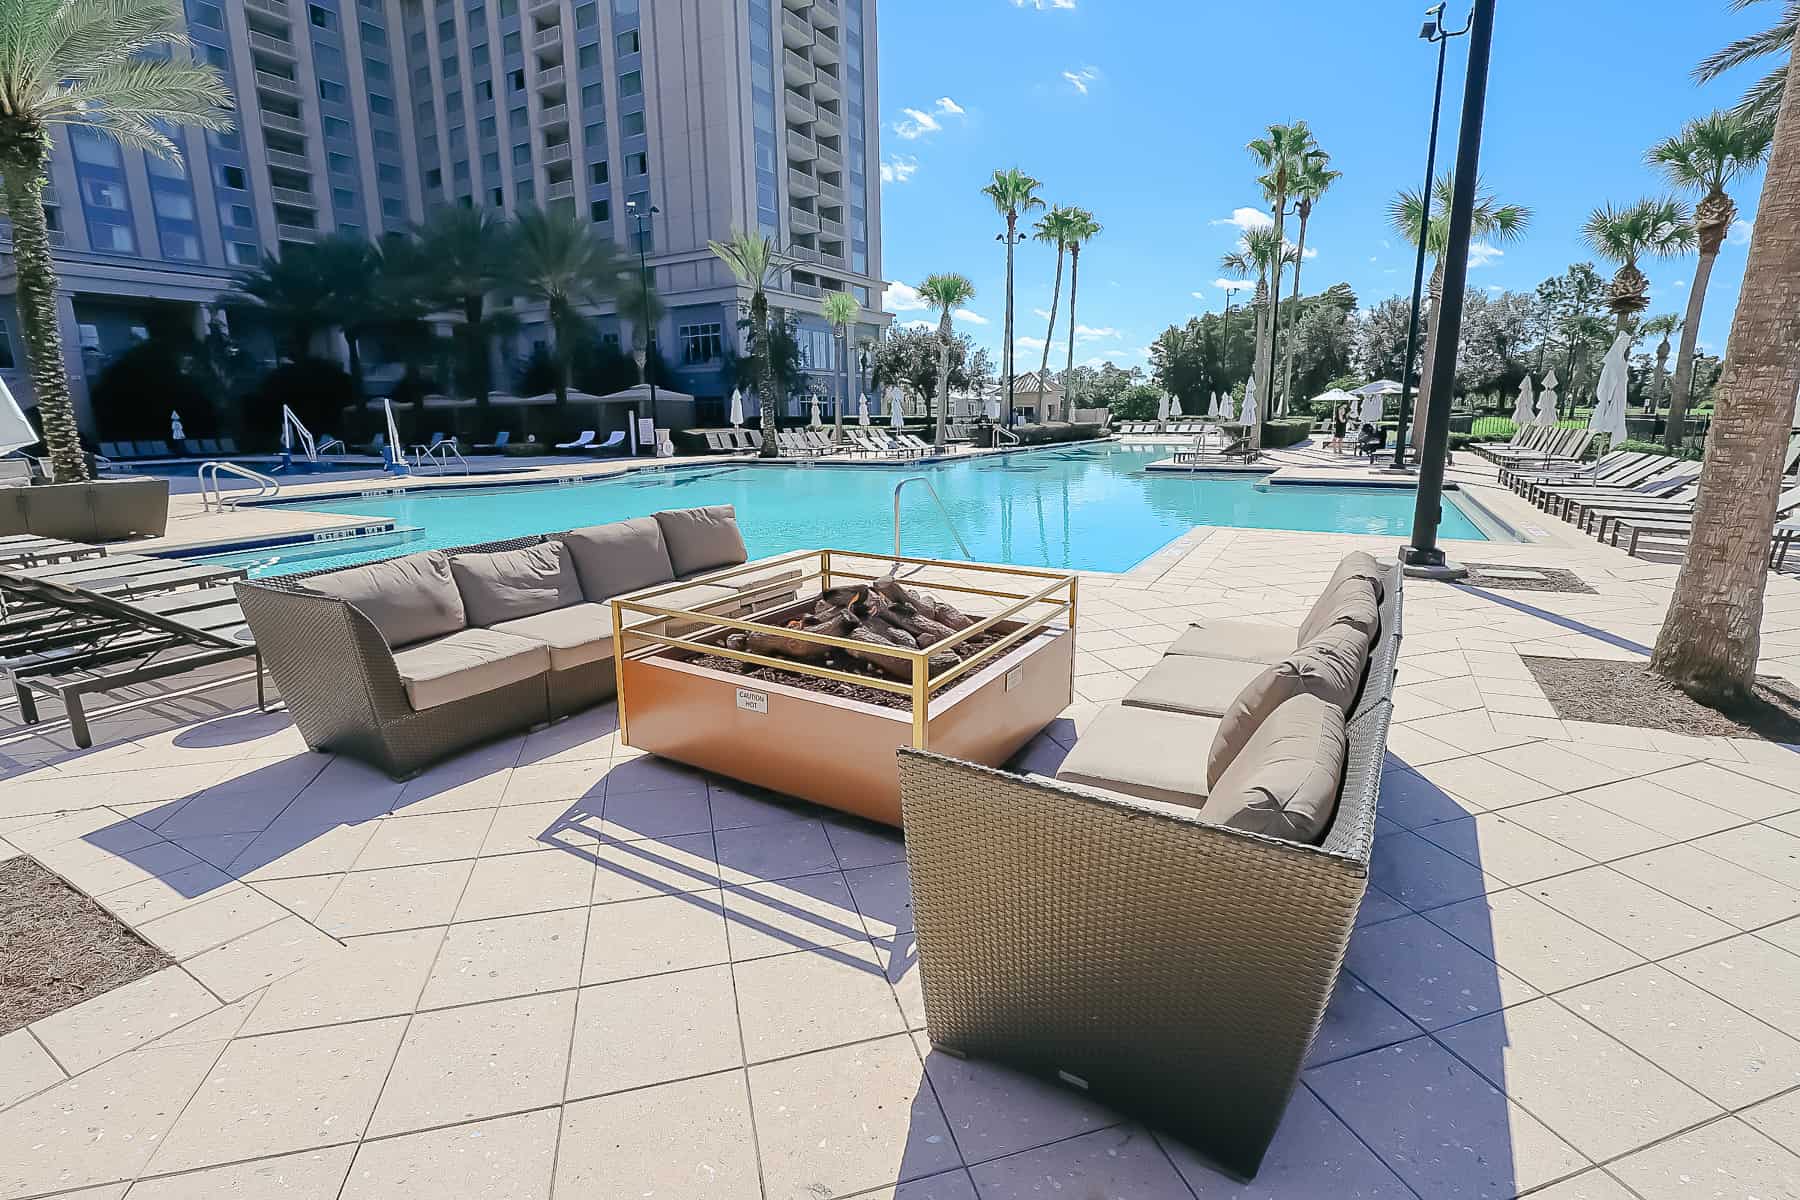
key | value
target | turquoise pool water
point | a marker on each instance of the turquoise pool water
(1085, 507)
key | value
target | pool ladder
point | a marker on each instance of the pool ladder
(949, 523)
(212, 496)
(437, 456)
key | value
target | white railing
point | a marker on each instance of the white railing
(212, 495)
(439, 456)
(949, 523)
(1004, 436)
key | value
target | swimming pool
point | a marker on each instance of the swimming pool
(1090, 507)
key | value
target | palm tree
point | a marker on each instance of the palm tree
(757, 265)
(98, 65)
(290, 290)
(454, 260)
(1316, 178)
(1285, 153)
(1054, 228)
(1013, 192)
(1763, 101)
(1653, 227)
(1712, 634)
(360, 297)
(1662, 327)
(557, 259)
(1707, 155)
(946, 293)
(840, 311)
(1256, 255)
(1082, 229)
(1494, 223)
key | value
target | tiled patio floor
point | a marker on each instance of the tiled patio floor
(554, 967)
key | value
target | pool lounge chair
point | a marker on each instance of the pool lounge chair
(917, 445)
(718, 443)
(1629, 532)
(1607, 466)
(1647, 479)
(582, 441)
(497, 445)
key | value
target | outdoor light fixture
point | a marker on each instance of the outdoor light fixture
(643, 219)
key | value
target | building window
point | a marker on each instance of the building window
(116, 238)
(489, 130)
(637, 164)
(600, 210)
(209, 16)
(241, 254)
(380, 105)
(628, 42)
(631, 83)
(497, 197)
(180, 245)
(593, 95)
(232, 177)
(587, 16)
(391, 207)
(589, 55)
(6, 351)
(701, 344)
(598, 172)
(490, 164)
(512, 43)
(321, 17)
(238, 216)
(177, 206)
(517, 80)
(94, 147)
(434, 178)
(333, 92)
(101, 193)
(342, 198)
(335, 127)
(631, 124)
(485, 90)
(340, 164)
(522, 155)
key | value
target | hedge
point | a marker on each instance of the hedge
(1055, 431)
(1277, 434)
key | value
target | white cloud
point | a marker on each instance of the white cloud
(898, 168)
(1227, 285)
(918, 324)
(1247, 219)
(1029, 343)
(916, 124)
(949, 107)
(1481, 254)
(1088, 332)
(1042, 314)
(1079, 80)
(1043, 5)
(902, 297)
(1678, 284)
(1374, 258)
(1312, 252)
(1740, 232)
(972, 317)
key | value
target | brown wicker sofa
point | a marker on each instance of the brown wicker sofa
(405, 661)
(1166, 947)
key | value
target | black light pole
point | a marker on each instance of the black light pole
(1434, 31)
(1422, 556)
(1011, 353)
(644, 219)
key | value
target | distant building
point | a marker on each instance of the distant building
(361, 115)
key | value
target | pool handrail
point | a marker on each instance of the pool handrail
(212, 498)
(949, 523)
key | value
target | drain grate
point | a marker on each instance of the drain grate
(1517, 577)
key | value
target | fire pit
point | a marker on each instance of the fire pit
(811, 697)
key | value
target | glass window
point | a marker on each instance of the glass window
(380, 105)
(333, 92)
(6, 350)
(485, 90)
(490, 164)
(231, 177)
(237, 215)
(589, 55)
(209, 16)
(92, 146)
(497, 197)
(446, 32)
(627, 42)
(524, 191)
(343, 198)
(177, 206)
(637, 164)
(512, 43)
(489, 129)
(517, 80)
(478, 57)
(451, 65)
(341, 164)
(241, 254)
(180, 245)
(116, 238)
(335, 127)
(600, 210)
(373, 34)
(595, 136)
(631, 124)
(593, 95)
(388, 173)
(101, 193)
(586, 16)
(704, 343)
(391, 207)
(518, 119)
(434, 178)
(509, 8)
(631, 83)
(376, 69)
(324, 18)
(598, 172)
(522, 154)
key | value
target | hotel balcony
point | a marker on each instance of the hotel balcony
(283, 123)
(825, 47)
(280, 85)
(795, 32)
(292, 196)
(796, 68)
(552, 116)
(831, 192)
(563, 189)
(830, 118)
(277, 8)
(800, 109)
(545, 6)
(555, 154)
(293, 162)
(826, 85)
(268, 43)
(805, 289)
(802, 184)
(830, 227)
(547, 37)
(831, 156)
(550, 78)
(801, 148)
(801, 221)
(296, 233)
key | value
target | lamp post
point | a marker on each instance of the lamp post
(1433, 31)
(1262, 415)
(644, 221)
(1010, 350)
(1422, 556)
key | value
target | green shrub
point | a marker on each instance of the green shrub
(1689, 450)
(1054, 431)
(1291, 432)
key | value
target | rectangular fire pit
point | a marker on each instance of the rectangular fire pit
(827, 731)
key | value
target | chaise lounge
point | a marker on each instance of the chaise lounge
(1163, 924)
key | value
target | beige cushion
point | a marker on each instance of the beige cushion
(1191, 684)
(1359, 564)
(1285, 783)
(471, 662)
(408, 599)
(694, 597)
(621, 557)
(576, 636)
(1352, 601)
(1143, 752)
(515, 583)
(1244, 641)
(702, 539)
(1329, 667)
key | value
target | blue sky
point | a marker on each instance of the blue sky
(1140, 109)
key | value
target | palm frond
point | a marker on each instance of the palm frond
(1762, 103)
(1749, 48)
(125, 98)
(90, 34)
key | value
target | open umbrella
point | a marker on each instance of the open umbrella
(737, 407)
(15, 431)
(862, 410)
(1522, 407)
(1546, 406)
(1609, 397)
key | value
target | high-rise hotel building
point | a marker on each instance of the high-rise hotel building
(362, 115)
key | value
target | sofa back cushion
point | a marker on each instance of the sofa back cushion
(408, 599)
(1330, 667)
(1285, 782)
(702, 539)
(515, 583)
(619, 557)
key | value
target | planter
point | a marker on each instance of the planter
(102, 510)
(828, 748)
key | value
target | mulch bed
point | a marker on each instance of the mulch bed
(1555, 579)
(830, 687)
(58, 947)
(1626, 693)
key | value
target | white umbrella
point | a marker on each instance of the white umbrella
(1546, 406)
(992, 407)
(1175, 406)
(1162, 408)
(1228, 407)
(896, 418)
(1212, 406)
(1522, 407)
(1247, 416)
(816, 422)
(1609, 398)
(396, 455)
(737, 407)
(176, 432)
(1371, 410)
(862, 410)
(15, 431)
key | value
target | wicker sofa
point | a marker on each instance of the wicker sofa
(1172, 954)
(403, 662)
(101, 510)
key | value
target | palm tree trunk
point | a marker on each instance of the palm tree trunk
(1287, 367)
(353, 360)
(1690, 342)
(760, 369)
(1659, 386)
(1422, 397)
(937, 436)
(837, 423)
(1074, 283)
(1266, 409)
(1012, 226)
(476, 349)
(1050, 333)
(559, 350)
(37, 318)
(1712, 634)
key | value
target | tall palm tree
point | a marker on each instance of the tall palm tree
(93, 64)
(1662, 327)
(558, 260)
(1651, 228)
(1013, 193)
(1256, 255)
(454, 260)
(1284, 153)
(946, 293)
(1316, 178)
(1763, 99)
(1083, 228)
(1054, 228)
(757, 265)
(1713, 631)
(1706, 156)
(840, 311)
(1494, 223)
(290, 291)
(361, 298)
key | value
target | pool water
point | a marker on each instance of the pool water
(1088, 507)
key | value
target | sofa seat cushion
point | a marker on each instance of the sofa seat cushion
(409, 599)
(1188, 683)
(702, 539)
(1329, 667)
(1243, 641)
(1143, 752)
(510, 584)
(470, 662)
(1285, 781)
(575, 636)
(694, 597)
(620, 557)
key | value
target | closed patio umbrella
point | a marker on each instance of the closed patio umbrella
(1522, 408)
(862, 410)
(1546, 406)
(1162, 408)
(1247, 415)
(1175, 406)
(1228, 408)
(737, 407)
(896, 418)
(1609, 401)
(176, 432)
(816, 422)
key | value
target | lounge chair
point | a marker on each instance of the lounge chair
(29, 550)
(497, 445)
(717, 443)
(1634, 528)
(613, 441)
(1646, 478)
(113, 644)
(228, 445)
(1605, 467)
(582, 441)
(15, 472)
